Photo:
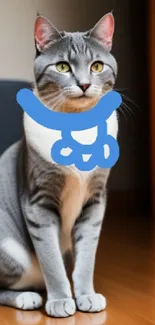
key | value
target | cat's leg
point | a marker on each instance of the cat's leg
(22, 300)
(86, 234)
(44, 226)
(15, 261)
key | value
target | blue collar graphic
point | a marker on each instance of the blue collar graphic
(69, 122)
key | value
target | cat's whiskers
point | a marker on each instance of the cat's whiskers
(53, 99)
(59, 103)
(97, 86)
(58, 100)
(121, 110)
(132, 114)
(130, 101)
(50, 95)
(67, 92)
(120, 89)
(126, 110)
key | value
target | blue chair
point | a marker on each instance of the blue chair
(11, 127)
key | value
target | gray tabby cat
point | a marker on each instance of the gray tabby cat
(47, 210)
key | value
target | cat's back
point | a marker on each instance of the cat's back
(9, 155)
(8, 160)
(9, 178)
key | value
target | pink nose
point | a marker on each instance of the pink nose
(84, 87)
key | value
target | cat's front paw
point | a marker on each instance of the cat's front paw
(28, 301)
(91, 303)
(60, 307)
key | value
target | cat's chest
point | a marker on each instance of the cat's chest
(75, 194)
(42, 139)
(76, 188)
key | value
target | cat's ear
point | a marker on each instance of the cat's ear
(45, 33)
(103, 31)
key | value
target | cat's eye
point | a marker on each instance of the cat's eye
(97, 66)
(63, 67)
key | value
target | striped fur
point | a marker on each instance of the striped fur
(47, 210)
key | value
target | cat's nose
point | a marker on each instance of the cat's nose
(84, 87)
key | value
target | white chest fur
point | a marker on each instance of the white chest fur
(76, 189)
(42, 138)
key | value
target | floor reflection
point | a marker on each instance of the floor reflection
(38, 318)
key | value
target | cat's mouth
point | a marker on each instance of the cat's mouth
(81, 97)
(72, 103)
(80, 103)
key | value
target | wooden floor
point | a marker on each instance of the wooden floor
(125, 274)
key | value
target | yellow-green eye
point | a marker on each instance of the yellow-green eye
(63, 67)
(97, 66)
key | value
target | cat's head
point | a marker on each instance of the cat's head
(74, 70)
